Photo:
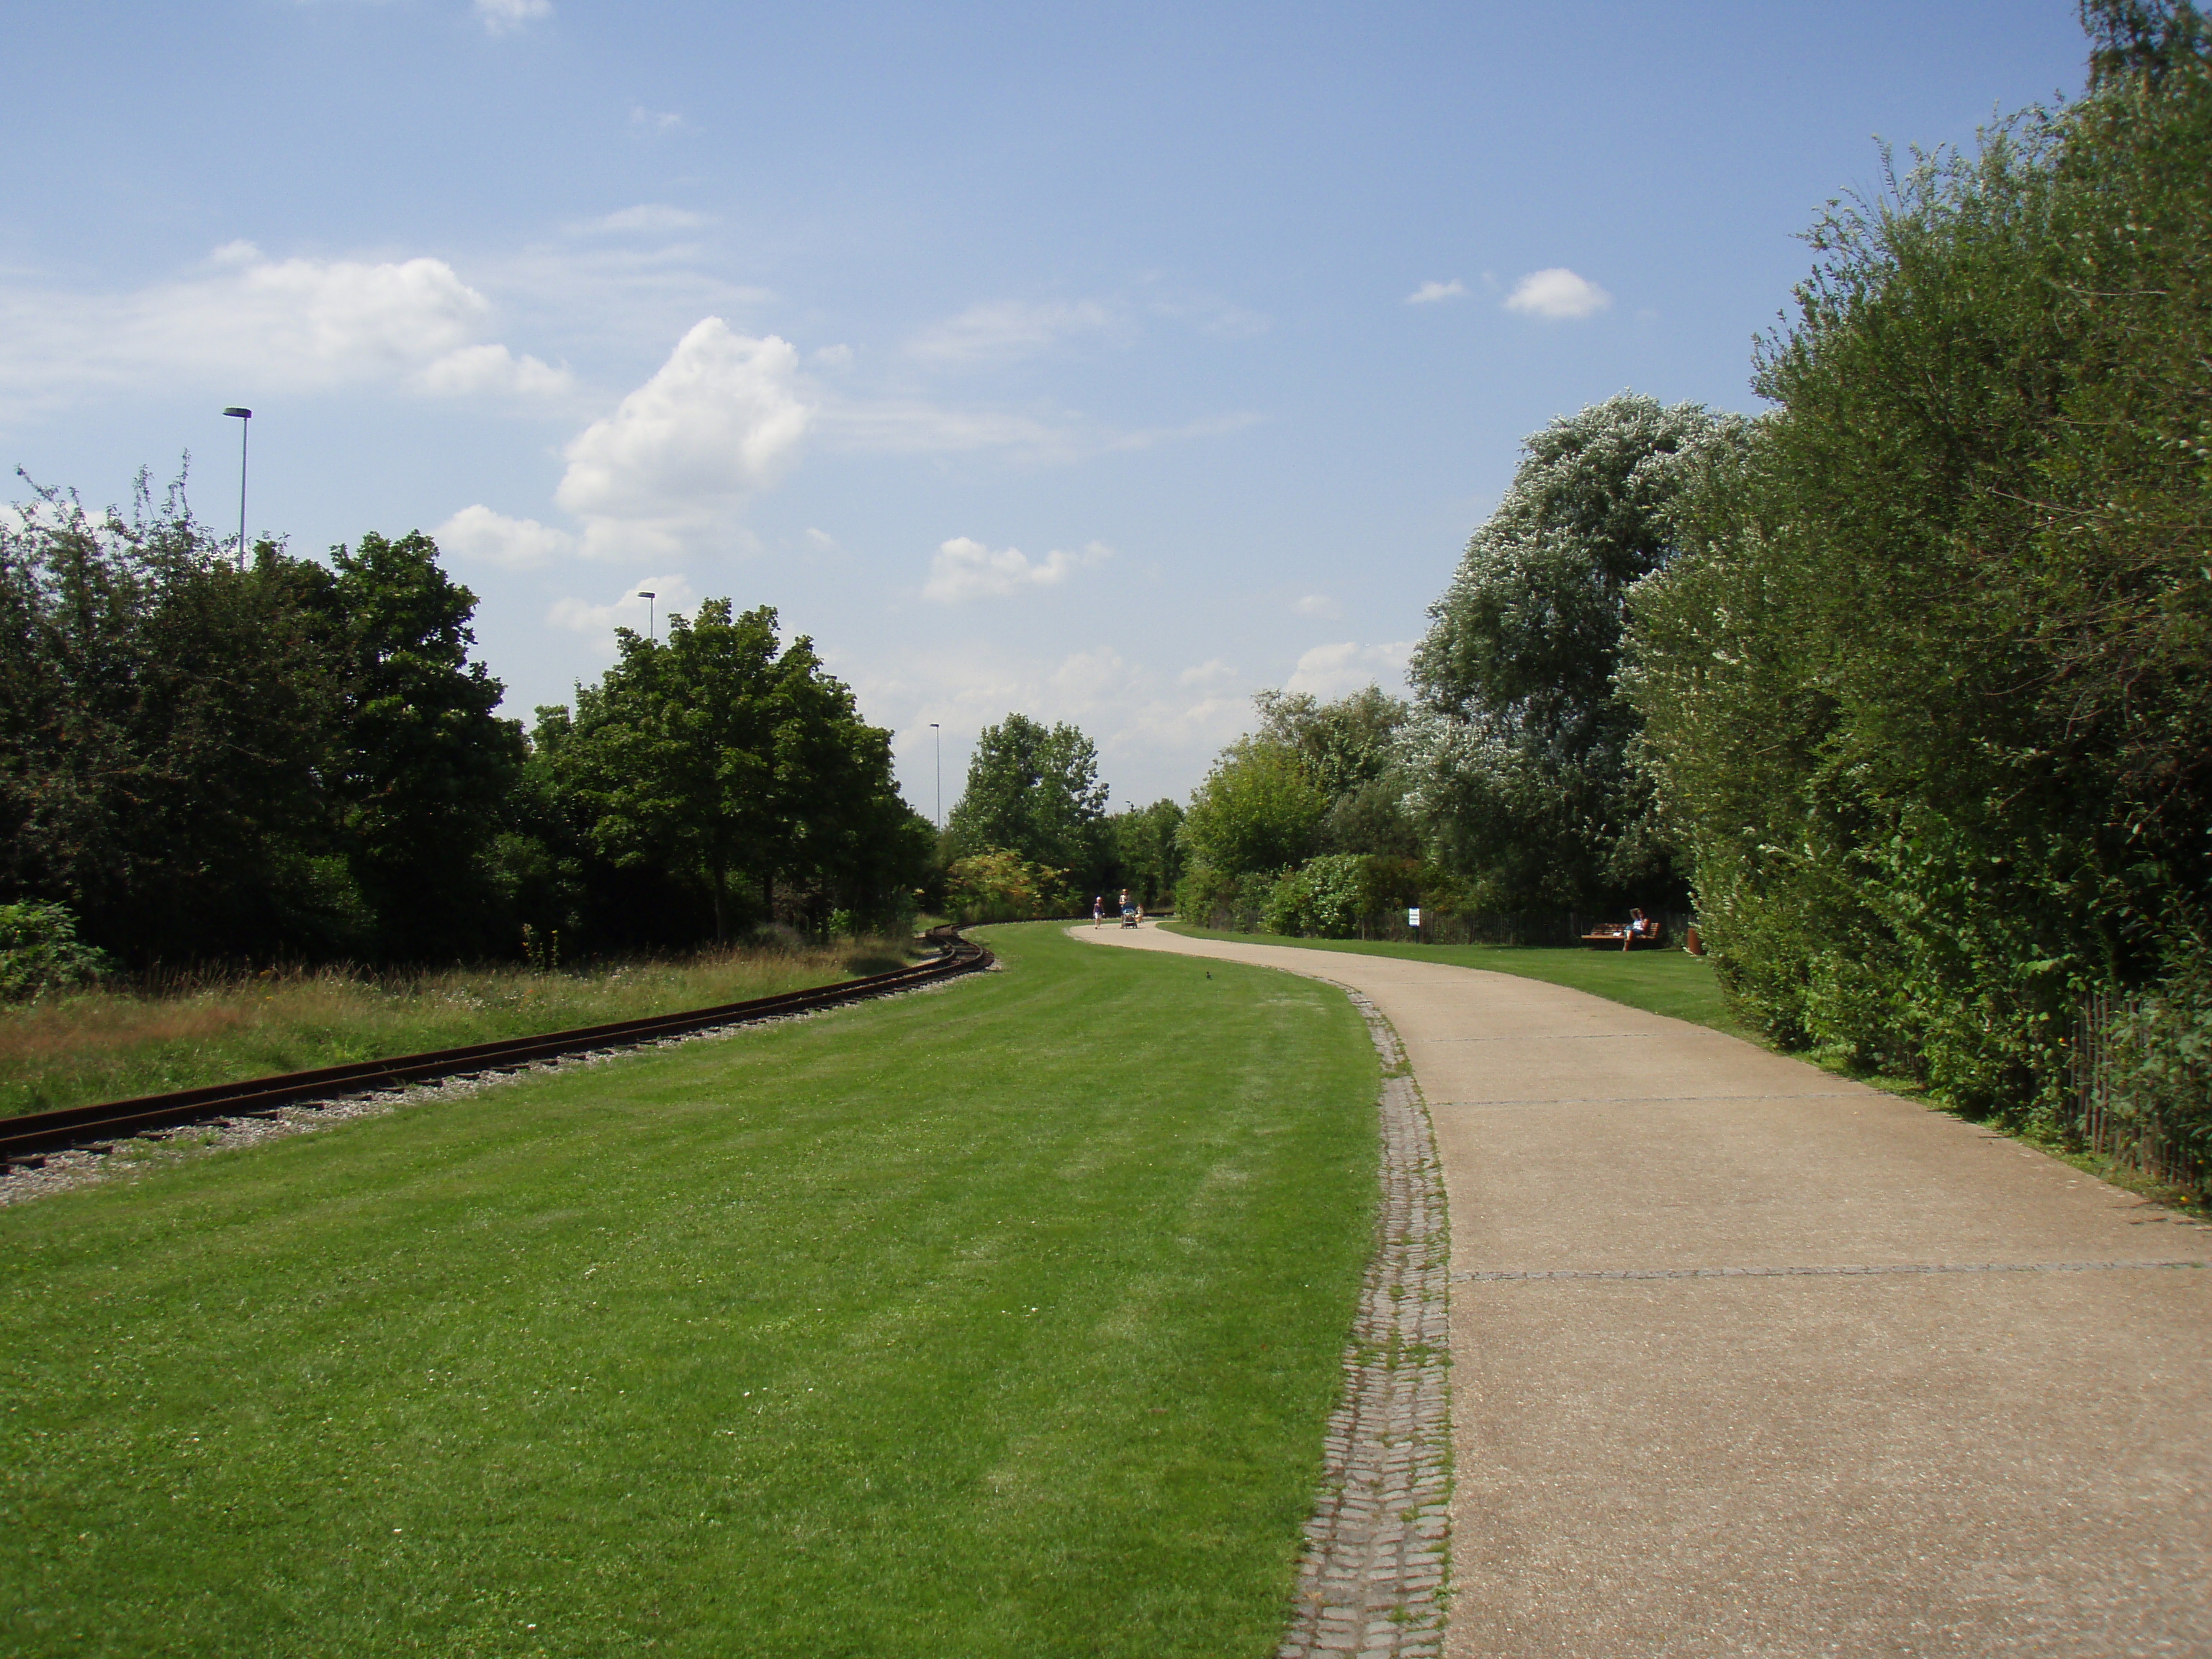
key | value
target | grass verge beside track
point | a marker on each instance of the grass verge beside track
(1003, 1321)
(1670, 982)
(96, 1045)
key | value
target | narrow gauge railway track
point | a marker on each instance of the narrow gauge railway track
(26, 1140)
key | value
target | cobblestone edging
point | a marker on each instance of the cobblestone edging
(1372, 1582)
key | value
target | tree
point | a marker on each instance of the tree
(1148, 851)
(1349, 749)
(1926, 701)
(1520, 759)
(841, 824)
(164, 733)
(1342, 744)
(424, 766)
(1034, 790)
(1257, 811)
(999, 884)
(674, 752)
(738, 764)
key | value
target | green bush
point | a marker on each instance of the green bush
(39, 952)
(1259, 809)
(2158, 1048)
(999, 884)
(1209, 897)
(1928, 695)
(1336, 895)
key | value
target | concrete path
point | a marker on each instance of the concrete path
(1748, 1359)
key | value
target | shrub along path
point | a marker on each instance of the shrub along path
(1749, 1358)
(1005, 1321)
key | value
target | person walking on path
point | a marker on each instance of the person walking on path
(1097, 909)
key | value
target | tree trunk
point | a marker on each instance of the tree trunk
(721, 902)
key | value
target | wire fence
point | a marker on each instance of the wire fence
(2125, 1104)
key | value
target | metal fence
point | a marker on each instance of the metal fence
(2115, 1114)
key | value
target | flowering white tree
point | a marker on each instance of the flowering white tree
(1519, 760)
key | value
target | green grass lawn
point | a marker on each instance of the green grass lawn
(1003, 1321)
(102, 1044)
(1670, 982)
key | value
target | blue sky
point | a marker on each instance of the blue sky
(1104, 363)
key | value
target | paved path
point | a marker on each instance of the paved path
(1751, 1360)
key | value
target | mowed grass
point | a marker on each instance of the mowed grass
(116, 1044)
(1001, 1321)
(1670, 982)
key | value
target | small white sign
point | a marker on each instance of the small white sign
(1413, 915)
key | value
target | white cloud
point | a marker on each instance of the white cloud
(1320, 605)
(650, 217)
(1212, 671)
(263, 326)
(478, 533)
(822, 539)
(655, 120)
(1007, 329)
(493, 368)
(1171, 732)
(966, 569)
(910, 426)
(1429, 293)
(671, 594)
(913, 426)
(1156, 731)
(721, 419)
(625, 295)
(1088, 677)
(505, 16)
(1331, 671)
(832, 356)
(1557, 292)
(344, 313)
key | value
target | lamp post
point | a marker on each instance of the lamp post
(648, 596)
(939, 730)
(245, 419)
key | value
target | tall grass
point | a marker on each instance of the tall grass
(183, 1030)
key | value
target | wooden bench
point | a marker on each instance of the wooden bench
(1615, 935)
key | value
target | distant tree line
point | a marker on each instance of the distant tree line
(301, 758)
(1031, 835)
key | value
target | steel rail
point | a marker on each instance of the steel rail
(99, 1126)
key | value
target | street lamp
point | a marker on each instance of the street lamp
(648, 596)
(939, 730)
(245, 419)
